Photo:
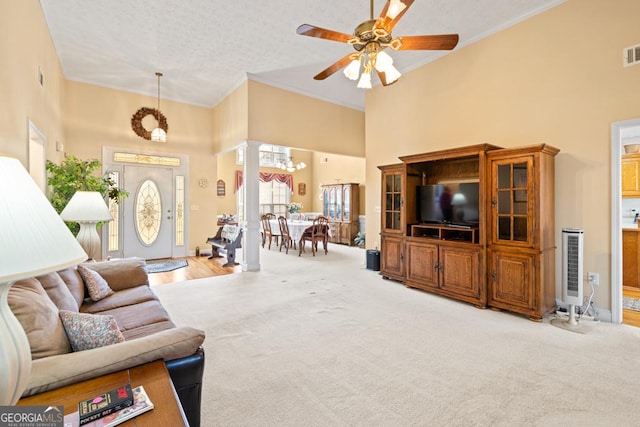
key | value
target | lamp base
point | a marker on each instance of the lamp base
(89, 239)
(15, 353)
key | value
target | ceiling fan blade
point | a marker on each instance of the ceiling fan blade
(434, 42)
(340, 63)
(323, 33)
(389, 16)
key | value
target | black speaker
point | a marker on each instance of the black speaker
(373, 260)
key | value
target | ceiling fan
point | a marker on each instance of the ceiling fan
(370, 38)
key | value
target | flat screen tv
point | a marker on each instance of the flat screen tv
(451, 203)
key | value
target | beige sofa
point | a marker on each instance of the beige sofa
(149, 332)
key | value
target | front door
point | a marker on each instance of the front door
(148, 214)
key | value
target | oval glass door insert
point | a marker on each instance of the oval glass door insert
(148, 212)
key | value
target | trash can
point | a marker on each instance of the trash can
(373, 259)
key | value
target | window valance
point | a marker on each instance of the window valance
(284, 178)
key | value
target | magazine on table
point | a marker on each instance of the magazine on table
(141, 404)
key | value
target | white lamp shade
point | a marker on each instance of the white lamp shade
(365, 81)
(34, 238)
(352, 71)
(86, 206)
(158, 135)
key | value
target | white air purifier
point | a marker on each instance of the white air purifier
(572, 278)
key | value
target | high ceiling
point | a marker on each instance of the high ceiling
(206, 48)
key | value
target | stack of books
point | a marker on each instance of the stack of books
(111, 408)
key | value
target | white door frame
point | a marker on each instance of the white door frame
(147, 157)
(616, 211)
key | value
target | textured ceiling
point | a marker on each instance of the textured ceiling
(206, 48)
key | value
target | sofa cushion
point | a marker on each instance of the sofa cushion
(39, 318)
(87, 331)
(122, 273)
(139, 315)
(98, 287)
(74, 283)
(121, 298)
(58, 291)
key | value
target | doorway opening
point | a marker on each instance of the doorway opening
(622, 133)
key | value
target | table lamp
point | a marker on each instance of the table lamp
(87, 208)
(34, 241)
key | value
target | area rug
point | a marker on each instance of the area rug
(164, 265)
(631, 304)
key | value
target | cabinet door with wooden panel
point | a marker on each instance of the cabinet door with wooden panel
(460, 270)
(423, 268)
(512, 280)
(392, 257)
(631, 175)
(630, 258)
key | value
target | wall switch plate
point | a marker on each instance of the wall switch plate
(594, 278)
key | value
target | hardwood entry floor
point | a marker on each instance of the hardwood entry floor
(198, 268)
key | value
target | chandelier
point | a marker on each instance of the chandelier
(290, 166)
(159, 134)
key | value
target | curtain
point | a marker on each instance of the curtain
(284, 178)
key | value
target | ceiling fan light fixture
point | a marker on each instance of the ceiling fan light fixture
(352, 72)
(365, 81)
(395, 8)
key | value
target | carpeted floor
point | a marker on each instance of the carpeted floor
(164, 265)
(324, 342)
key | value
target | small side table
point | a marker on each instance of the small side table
(167, 411)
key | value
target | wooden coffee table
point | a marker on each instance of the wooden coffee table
(167, 411)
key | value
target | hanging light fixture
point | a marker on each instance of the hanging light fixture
(158, 134)
(290, 166)
(372, 56)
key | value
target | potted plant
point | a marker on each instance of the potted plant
(360, 239)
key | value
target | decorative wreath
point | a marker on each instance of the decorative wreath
(136, 121)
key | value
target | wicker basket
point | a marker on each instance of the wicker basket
(632, 148)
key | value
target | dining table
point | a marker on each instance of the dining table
(296, 228)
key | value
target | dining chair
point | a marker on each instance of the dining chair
(266, 229)
(317, 232)
(285, 237)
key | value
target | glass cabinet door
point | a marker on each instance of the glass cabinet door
(346, 197)
(511, 201)
(392, 201)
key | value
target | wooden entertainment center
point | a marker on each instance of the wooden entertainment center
(505, 258)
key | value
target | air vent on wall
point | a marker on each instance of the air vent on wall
(631, 55)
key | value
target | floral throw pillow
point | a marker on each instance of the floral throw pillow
(97, 286)
(86, 331)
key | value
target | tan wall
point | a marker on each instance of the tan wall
(95, 117)
(231, 120)
(556, 78)
(288, 119)
(25, 46)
